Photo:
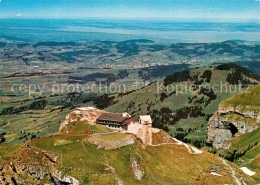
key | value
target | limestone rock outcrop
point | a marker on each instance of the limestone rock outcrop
(36, 169)
(89, 114)
(221, 128)
(19, 173)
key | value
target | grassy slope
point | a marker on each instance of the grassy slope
(249, 142)
(249, 100)
(39, 122)
(7, 150)
(89, 164)
(43, 123)
(181, 166)
(148, 95)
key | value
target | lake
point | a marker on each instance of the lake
(117, 30)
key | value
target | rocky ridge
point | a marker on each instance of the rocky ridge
(232, 120)
(19, 171)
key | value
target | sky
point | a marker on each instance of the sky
(133, 9)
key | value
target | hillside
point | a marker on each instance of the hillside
(185, 113)
(182, 102)
(128, 54)
(234, 129)
(75, 151)
(122, 62)
(74, 156)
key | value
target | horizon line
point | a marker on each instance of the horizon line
(213, 19)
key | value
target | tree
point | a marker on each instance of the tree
(207, 74)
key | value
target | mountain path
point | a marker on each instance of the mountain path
(247, 162)
(232, 171)
(84, 148)
(189, 148)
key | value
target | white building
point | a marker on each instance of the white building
(145, 120)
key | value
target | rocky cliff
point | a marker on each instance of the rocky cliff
(89, 114)
(235, 116)
(89, 153)
(33, 167)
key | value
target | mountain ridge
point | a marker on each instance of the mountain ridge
(234, 129)
(69, 157)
